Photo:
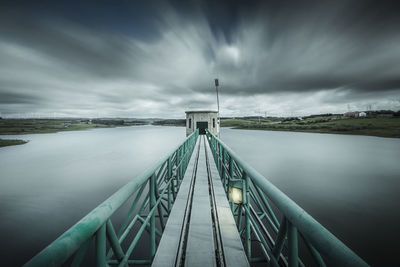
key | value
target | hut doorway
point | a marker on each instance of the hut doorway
(202, 126)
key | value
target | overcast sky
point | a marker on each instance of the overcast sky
(129, 59)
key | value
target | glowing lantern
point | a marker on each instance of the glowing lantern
(235, 191)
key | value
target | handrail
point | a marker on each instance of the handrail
(163, 177)
(231, 167)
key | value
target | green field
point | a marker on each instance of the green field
(11, 142)
(383, 126)
(29, 126)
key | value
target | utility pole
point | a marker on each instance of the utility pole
(216, 88)
(218, 119)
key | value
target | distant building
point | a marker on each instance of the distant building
(202, 120)
(353, 114)
(362, 114)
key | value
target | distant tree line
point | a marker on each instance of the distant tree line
(172, 122)
(384, 112)
(321, 115)
(108, 122)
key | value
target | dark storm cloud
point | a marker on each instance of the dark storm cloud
(319, 46)
(18, 98)
(122, 58)
(99, 55)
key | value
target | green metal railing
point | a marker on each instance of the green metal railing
(152, 194)
(279, 226)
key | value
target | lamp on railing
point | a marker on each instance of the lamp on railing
(236, 191)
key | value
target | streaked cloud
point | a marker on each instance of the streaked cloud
(159, 59)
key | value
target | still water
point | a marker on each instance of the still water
(48, 184)
(349, 183)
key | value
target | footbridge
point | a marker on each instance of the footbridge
(201, 205)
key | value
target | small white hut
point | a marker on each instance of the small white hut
(202, 120)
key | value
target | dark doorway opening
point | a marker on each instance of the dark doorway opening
(202, 126)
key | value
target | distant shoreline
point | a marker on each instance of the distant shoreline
(380, 126)
(12, 142)
(313, 131)
(40, 126)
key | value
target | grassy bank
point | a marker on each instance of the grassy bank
(29, 126)
(32, 126)
(11, 142)
(383, 126)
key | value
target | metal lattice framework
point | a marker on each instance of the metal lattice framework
(276, 222)
(152, 195)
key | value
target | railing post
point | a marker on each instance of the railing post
(101, 246)
(178, 158)
(219, 158)
(152, 188)
(170, 176)
(280, 239)
(180, 166)
(214, 148)
(169, 168)
(230, 176)
(223, 167)
(183, 159)
(246, 202)
(230, 167)
(169, 198)
(217, 155)
(113, 241)
(292, 245)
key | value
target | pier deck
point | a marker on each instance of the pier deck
(201, 230)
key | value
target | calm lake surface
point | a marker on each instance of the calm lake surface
(351, 184)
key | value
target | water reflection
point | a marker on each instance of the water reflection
(50, 183)
(350, 184)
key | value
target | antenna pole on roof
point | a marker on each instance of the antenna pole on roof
(218, 118)
(216, 88)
